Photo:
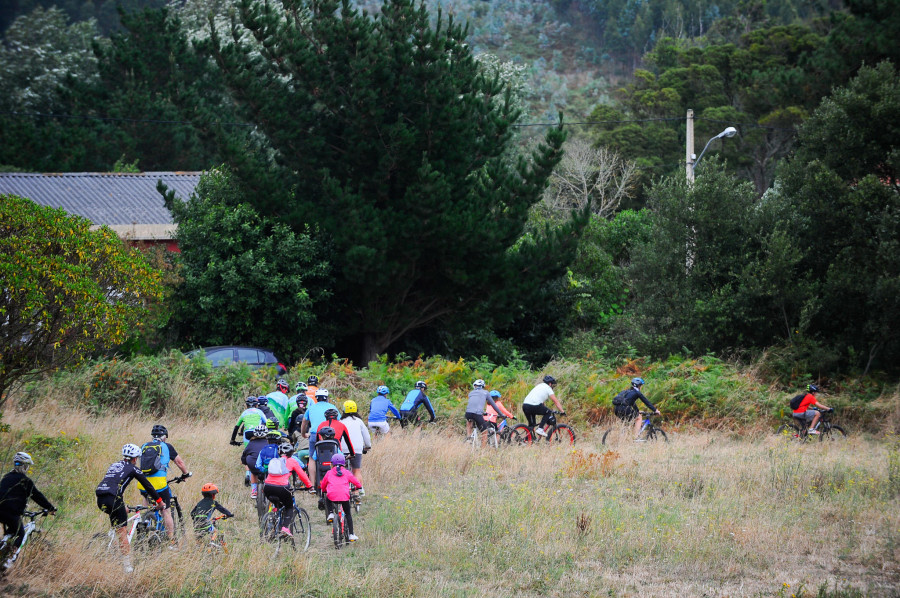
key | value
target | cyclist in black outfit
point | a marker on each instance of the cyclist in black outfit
(109, 495)
(625, 404)
(15, 490)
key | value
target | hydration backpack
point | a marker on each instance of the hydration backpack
(278, 466)
(795, 402)
(154, 457)
(619, 398)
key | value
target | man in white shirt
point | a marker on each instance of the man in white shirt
(533, 405)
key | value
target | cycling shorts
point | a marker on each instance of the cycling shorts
(114, 506)
(382, 427)
(355, 462)
(478, 420)
(626, 412)
(165, 494)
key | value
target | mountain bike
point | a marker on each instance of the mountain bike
(355, 500)
(141, 532)
(8, 552)
(155, 517)
(339, 531)
(648, 432)
(300, 530)
(215, 539)
(503, 434)
(798, 429)
(558, 433)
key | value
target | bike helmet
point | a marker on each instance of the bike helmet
(300, 387)
(313, 380)
(322, 393)
(273, 435)
(282, 383)
(421, 385)
(326, 433)
(332, 414)
(209, 488)
(131, 451)
(302, 401)
(262, 401)
(548, 379)
(158, 431)
(22, 459)
(252, 402)
(271, 424)
(495, 394)
(812, 388)
(338, 459)
(260, 431)
(382, 390)
(637, 381)
(285, 448)
(349, 407)
(478, 383)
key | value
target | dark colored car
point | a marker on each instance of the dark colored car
(255, 357)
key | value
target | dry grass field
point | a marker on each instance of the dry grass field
(709, 514)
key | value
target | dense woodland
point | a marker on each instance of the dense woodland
(394, 178)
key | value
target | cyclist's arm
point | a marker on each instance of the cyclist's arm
(821, 406)
(301, 475)
(234, 432)
(556, 402)
(145, 483)
(506, 411)
(354, 481)
(427, 403)
(393, 410)
(367, 438)
(346, 434)
(40, 499)
(647, 402)
(180, 463)
(222, 509)
(493, 404)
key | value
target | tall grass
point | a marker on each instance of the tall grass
(707, 514)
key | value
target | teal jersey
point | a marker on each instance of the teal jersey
(250, 418)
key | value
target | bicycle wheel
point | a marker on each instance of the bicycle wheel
(521, 435)
(337, 526)
(656, 434)
(561, 434)
(269, 530)
(101, 541)
(786, 429)
(262, 503)
(493, 440)
(301, 530)
(833, 433)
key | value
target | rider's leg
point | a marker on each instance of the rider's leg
(638, 422)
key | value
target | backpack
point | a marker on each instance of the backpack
(619, 399)
(154, 457)
(278, 466)
(795, 402)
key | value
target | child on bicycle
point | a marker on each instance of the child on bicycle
(490, 414)
(276, 486)
(15, 490)
(202, 512)
(336, 487)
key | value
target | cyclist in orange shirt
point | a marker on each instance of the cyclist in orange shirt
(490, 414)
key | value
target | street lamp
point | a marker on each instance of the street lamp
(729, 132)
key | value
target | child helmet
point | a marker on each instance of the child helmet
(338, 459)
(495, 394)
(273, 435)
(812, 388)
(210, 488)
(22, 458)
(260, 431)
(285, 448)
(327, 433)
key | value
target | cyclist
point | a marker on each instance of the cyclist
(249, 419)
(267, 453)
(272, 419)
(313, 419)
(202, 512)
(276, 486)
(167, 454)
(533, 404)
(278, 400)
(478, 398)
(805, 411)
(625, 408)
(312, 386)
(300, 391)
(326, 448)
(359, 437)
(109, 496)
(15, 490)
(490, 414)
(336, 488)
(410, 406)
(251, 452)
(296, 422)
(379, 408)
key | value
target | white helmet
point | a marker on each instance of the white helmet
(131, 451)
(322, 392)
(23, 459)
(478, 383)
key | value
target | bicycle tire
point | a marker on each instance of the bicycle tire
(493, 440)
(262, 503)
(300, 528)
(521, 434)
(177, 519)
(561, 434)
(337, 532)
(268, 530)
(656, 434)
(99, 541)
(787, 430)
(833, 433)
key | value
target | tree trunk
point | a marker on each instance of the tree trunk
(370, 349)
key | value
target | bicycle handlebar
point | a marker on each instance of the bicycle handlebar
(35, 514)
(180, 478)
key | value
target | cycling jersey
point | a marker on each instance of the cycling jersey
(490, 414)
(341, 435)
(15, 490)
(202, 513)
(290, 466)
(278, 401)
(251, 452)
(337, 486)
(629, 398)
(379, 408)
(269, 414)
(359, 434)
(117, 478)
(311, 393)
(315, 415)
(478, 398)
(167, 455)
(249, 419)
(808, 401)
(538, 395)
(414, 399)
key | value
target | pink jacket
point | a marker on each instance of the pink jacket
(337, 488)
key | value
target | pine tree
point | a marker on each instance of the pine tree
(387, 135)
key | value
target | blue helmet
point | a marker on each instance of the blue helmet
(252, 401)
(263, 401)
(637, 381)
(382, 390)
(495, 394)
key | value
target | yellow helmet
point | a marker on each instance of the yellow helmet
(349, 406)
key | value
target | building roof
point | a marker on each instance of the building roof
(127, 203)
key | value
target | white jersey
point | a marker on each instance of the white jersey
(538, 395)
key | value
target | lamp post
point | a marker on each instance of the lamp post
(728, 132)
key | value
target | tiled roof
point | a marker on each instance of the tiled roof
(114, 199)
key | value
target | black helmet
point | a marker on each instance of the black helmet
(314, 380)
(548, 379)
(812, 388)
(159, 430)
(332, 414)
(326, 433)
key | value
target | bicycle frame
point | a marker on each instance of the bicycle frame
(28, 529)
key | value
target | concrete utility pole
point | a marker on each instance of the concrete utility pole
(689, 147)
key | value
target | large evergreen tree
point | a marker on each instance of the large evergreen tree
(385, 133)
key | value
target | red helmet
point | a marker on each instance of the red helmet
(210, 488)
